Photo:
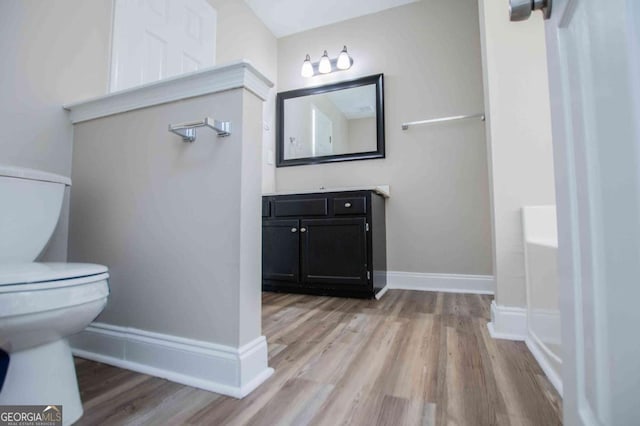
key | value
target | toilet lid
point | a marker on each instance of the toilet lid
(29, 273)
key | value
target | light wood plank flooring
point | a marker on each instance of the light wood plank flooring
(412, 358)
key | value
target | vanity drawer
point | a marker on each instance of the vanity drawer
(308, 207)
(349, 205)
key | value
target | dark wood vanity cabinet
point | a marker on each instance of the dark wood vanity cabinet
(331, 243)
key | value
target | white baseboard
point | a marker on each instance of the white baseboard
(510, 323)
(507, 322)
(553, 374)
(382, 292)
(448, 283)
(546, 324)
(217, 368)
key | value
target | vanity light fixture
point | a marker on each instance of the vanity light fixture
(307, 68)
(326, 65)
(344, 60)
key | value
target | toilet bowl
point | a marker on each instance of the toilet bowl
(41, 304)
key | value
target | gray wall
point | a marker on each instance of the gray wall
(178, 224)
(362, 134)
(58, 52)
(53, 52)
(438, 216)
(163, 215)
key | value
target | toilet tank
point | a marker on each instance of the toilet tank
(30, 205)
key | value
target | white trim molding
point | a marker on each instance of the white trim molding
(382, 292)
(217, 368)
(544, 362)
(448, 283)
(507, 322)
(235, 75)
(511, 323)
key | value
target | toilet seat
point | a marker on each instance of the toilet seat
(44, 276)
(29, 288)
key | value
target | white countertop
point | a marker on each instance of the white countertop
(383, 190)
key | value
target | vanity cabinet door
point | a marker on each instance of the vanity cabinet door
(334, 252)
(281, 250)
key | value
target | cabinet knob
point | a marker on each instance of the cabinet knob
(303, 229)
(294, 229)
(347, 205)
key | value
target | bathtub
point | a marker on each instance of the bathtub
(541, 271)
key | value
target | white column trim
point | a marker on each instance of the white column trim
(507, 322)
(217, 368)
(216, 79)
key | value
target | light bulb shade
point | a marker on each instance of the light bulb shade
(307, 68)
(344, 60)
(325, 64)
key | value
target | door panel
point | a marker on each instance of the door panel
(281, 250)
(157, 39)
(591, 49)
(334, 251)
(154, 65)
(322, 129)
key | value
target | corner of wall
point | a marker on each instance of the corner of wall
(507, 323)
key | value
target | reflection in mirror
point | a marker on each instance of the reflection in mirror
(342, 121)
(339, 122)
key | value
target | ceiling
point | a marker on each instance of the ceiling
(355, 103)
(286, 17)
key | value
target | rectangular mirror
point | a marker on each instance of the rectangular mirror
(336, 122)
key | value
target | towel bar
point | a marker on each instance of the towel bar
(405, 126)
(187, 131)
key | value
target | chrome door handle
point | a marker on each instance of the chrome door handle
(303, 229)
(294, 230)
(347, 205)
(520, 10)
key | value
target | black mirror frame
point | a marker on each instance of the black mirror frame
(376, 79)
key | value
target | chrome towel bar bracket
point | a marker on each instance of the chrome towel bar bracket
(405, 126)
(187, 131)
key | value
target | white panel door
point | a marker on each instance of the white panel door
(322, 133)
(594, 75)
(156, 39)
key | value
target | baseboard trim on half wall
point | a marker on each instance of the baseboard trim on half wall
(216, 368)
(509, 323)
(448, 283)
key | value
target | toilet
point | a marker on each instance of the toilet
(41, 304)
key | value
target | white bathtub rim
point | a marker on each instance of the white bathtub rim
(533, 336)
(533, 342)
(555, 377)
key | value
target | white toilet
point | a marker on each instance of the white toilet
(41, 303)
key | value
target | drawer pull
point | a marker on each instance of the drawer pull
(349, 206)
(303, 229)
(294, 230)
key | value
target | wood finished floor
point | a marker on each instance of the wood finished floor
(412, 358)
